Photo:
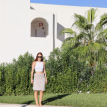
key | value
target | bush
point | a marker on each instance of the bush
(65, 74)
(15, 77)
(98, 82)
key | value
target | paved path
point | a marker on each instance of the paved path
(25, 105)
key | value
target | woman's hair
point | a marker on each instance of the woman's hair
(37, 56)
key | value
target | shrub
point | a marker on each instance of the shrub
(15, 76)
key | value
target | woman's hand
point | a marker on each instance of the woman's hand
(32, 81)
(46, 81)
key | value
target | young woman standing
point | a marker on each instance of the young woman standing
(40, 78)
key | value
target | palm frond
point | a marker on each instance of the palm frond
(67, 30)
(105, 30)
(91, 15)
(88, 26)
(70, 41)
(103, 19)
(92, 53)
(97, 46)
(82, 36)
(67, 39)
(102, 36)
(79, 25)
(98, 27)
(101, 23)
(83, 51)
(91, 40)
(101, 55)
(80, 20)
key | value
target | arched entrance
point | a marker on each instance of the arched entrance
(39, 27)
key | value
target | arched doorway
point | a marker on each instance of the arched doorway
(39, 27)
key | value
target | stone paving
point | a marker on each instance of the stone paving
(26, 105)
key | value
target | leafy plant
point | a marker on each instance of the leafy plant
(90, 38)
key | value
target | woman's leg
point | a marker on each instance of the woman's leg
(40, 98)
(36, 97)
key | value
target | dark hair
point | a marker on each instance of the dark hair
(37, 56)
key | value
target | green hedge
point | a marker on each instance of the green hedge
(65, 74)
(15, 76)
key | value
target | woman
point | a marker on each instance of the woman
(39, 77)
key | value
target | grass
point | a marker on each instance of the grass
(74, 100)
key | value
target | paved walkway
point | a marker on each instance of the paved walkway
(25, 105)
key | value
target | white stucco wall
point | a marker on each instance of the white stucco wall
(14, 28)
(15, 36)
(64, 16)
(15, 24)
(41, 44)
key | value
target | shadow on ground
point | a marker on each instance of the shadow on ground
(54, 98)
(27, 103)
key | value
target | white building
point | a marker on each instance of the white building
(32, 27)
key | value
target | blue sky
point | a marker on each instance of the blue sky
(86, 3)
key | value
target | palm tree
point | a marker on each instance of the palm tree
(90, 40)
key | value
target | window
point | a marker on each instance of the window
(39, 28)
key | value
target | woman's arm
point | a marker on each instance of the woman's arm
(45, 73)
(32, 71)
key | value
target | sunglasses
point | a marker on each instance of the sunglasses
(39, 56)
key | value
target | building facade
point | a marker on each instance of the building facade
(30, 27)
